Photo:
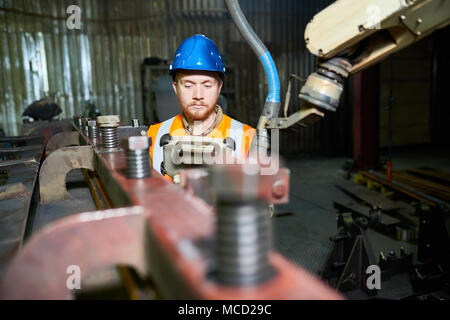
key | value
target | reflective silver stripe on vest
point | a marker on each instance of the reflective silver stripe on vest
(236, 133)
(158, 155)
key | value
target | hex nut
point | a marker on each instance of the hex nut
(279, 189)
(108, 121)
(137, 143)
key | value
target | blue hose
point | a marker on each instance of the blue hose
(272, 77)
(272, 104)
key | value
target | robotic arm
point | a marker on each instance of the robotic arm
(347, 36)
(352, 35)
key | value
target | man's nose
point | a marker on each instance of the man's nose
(198, 93)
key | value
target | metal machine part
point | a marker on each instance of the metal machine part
(116, 282)
(18, 180)
(129, 131)
(52, 175)
(193, 151)
(323, 88)
(271, 108)
(109, 130)
(92, 129)
(433, 271)
(78, 121)
(271, 188)
(391, 265)
(157, 229)
(66, 159)
(372, 31)
(350, 256)
(196, 181)
(272, 103)
(138, 157)
(85, 126)
(305, 116)
(47, 128)
(243, 227)
(243, 242)
(63, 139)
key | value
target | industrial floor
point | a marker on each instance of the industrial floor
(301, 228)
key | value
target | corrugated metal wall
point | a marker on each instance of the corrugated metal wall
(40, 56)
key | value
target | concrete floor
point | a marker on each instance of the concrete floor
(304, 225)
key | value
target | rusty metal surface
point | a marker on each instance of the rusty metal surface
(196, 181)
(16, 194)
(35, 128)
(20, 149)
(110, 167)
(46, 129)
(178, 225)
(171, 242)
(91, 241)
(128, 131)
(8, 163)
(52, 175)
(63, 139)
(271, 188)
(21, 139)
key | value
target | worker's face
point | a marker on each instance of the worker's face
(197, 92)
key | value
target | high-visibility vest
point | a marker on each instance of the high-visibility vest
(242, 135)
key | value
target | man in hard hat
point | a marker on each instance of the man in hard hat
(198, 75)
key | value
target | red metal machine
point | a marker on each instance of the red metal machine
(169, 234)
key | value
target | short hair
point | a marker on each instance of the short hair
(220, 76)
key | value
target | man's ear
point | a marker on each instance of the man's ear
(174, 85)
(220, 85)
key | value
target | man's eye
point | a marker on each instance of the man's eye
(208, 85)
(188, 85)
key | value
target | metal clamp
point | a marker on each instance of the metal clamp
(52, 176)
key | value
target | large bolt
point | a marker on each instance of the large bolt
(92, 129)
(109, 130)
(138, 157)
(279, 189)
(243, 235)
(77, 120)
(243, 229)
(85, 126)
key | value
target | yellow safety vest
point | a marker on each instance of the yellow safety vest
(242, 135)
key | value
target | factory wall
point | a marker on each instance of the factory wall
(420, 107)
(405, 77)
(101, 62)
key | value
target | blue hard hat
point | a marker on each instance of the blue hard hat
(197, 53)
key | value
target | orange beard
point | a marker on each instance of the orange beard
(198, 113)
